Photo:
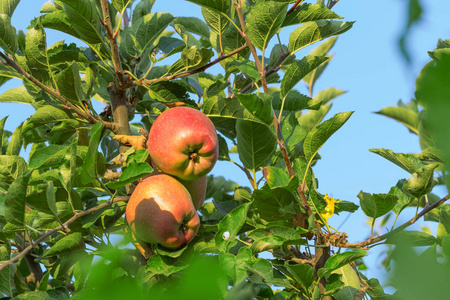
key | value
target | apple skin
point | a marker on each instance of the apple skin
(197, 189)
(183, 142)
(160, 210)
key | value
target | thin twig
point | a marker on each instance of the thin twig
(75, 217)
(401, 227)
(113, 42)
(294, 7)
(85, 115)
(187, 73)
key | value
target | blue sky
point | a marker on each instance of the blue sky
(367, 64)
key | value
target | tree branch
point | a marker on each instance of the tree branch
(192, 72)
(75, 217)
(113, 42)
(294, 7)
(90, 118)
(398, 229)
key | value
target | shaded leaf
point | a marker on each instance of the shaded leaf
(256, 144)
(408, 162)
(339, 260)
(376, 205)
(149, 29)
(229, 227)
(259, 105)
(15, 199)
(8, 40)
(69, 84)
(130, 174)
(218, 5)
(36, 47)
(67, 244)
(11, 167)
(421, 182)
(415, 238)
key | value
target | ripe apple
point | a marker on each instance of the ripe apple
(183, 142)
(160, 210)
(197, 189)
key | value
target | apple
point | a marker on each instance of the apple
(197, 189)
(160, 210)
(183, 142)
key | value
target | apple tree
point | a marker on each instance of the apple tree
(63, 231)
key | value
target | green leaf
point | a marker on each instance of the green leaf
(274, 204)
(83, 18)
(376, 205)
(230, 108)
(302, 273)
(223, 149)
(321, 133)
(276, 177)
(339, 260)
(35, 295)
(18, 95)
(404, 200)
(352, 285)
(309, 12)
(44, 281)
(169, 92)
(408, 162)
(216, 21)
(158, 264)
(259, 105)
(256, 144)
(131, 173)
(67, 244)
(194, 57)
(231, 40)
(263, 21)
(328, 94)
(149, 28)
(8, 40)
(218, 5)
(120, 4)
(45, 115)
(50, 156)
(295, 101)
(69, 84)
(422, 181)
(5, 274)
(342, 205)
(11, 167)
(51, 199)
(414, 238)
(299, 69)
(142, 8)
(311, 32)
(15, 199)
(236, 265)
(406, 116)
(2, 126)
(273, 237)
(193, 25)
(7, 7)
(36, 47)
(414, 14)
(229, 227)
(320, 50)
(90, 163)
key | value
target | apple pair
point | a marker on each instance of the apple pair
(183, 145)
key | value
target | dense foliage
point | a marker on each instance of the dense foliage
(62, 226)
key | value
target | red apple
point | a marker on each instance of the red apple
(183, 142)
(160, 210)
(197, 189)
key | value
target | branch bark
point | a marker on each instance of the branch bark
(82, 113)
(380, 238)
(75, 217)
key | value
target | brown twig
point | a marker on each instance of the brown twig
(260, 68)
(113, 42)
(294, 7)
(85, 115)
(75, 217)
(192, 72)
(332, 3)
(401, 227)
